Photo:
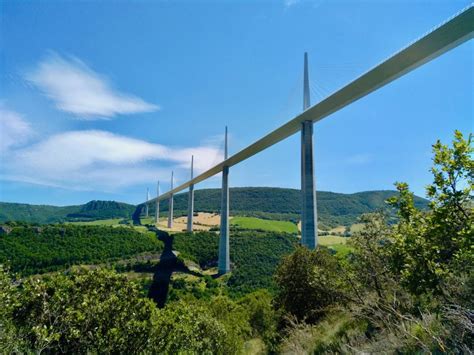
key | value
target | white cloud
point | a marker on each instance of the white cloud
(77, 89)
(14, 130)
(99, 160)
(289, 3)
(360, 159)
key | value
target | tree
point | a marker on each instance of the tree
(262, 316)
(85, 311)
(370, 256)
(430, 246)
(309, 282)
(182, 328)
(10, 341)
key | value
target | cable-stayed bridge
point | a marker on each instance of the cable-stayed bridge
(450, 34)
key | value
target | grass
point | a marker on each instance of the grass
(148, 220)
(336, 243)
(253, 223)
(341, 249)
(357, 227)
(329, 240)
(100, 222)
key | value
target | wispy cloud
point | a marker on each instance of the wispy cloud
(360, 159)
(99, 160)
(315, 3)
(14, 129)
(289, 3)
(77, 89)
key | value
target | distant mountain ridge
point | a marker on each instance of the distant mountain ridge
(265, 202)
(42, 214)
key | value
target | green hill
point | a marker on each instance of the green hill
(42, 214)
(264, 202)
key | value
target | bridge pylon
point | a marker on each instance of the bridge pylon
(191, 200)
(157, 204)
(309, 222)
(146, 203)
(170, 206)
(224, 258)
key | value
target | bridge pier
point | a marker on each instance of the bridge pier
(309, 222)
(146, 204)
(191, 201)
(157, 205)
(170, 207)
(224, 257)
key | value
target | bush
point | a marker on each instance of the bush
(309, 283)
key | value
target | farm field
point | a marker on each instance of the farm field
(100, 222)
(203, 221)
(264, 224)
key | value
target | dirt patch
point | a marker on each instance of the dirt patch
(203, 221)
(338, 230)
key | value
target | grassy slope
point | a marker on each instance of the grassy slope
(100, 222)
(254, 223)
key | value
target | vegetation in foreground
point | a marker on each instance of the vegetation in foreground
(404, 288)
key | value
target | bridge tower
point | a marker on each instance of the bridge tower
(157, 206)
(146, 204)
(224, 259)
(309, 222)
(170, 206)
(191, 200)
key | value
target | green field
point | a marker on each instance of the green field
(99, 222)
(331, 240)
(253, 223)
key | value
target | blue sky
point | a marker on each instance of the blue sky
(98, 100)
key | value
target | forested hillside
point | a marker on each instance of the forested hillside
(92, 210)
(30, 250)
(254, 255)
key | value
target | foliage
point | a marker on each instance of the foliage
(100, 311)
(183, 328)
(263, 317)
(309, 283)
(254, 255)
(428, 247)
(87, 311)
(234, 317)
(336, 333)
(10, 342)
(31, 250)
(411, 284)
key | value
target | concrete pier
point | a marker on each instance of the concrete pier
(224, 258)
(309, 222)
(157, 206)
(146, 204)
(191, 201)
(170, 208)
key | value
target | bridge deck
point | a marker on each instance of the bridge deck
(450, 34)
